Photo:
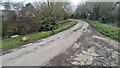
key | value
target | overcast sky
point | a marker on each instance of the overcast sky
(74, 2)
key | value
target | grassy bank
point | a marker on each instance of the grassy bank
(105, 29)
(10, 43)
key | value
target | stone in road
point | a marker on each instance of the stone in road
(42, 51)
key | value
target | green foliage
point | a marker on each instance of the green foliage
(104, 19)
(65, 26)
(9, 43)
(22, 26)
(33, 19)
(96, 11)
(106, 12)
(105, 29)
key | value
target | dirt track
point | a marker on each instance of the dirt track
(91, 49)
(79, 45)
(42, 51)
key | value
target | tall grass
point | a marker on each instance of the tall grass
(105, 29)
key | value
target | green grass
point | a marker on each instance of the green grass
(105, 29)
(16, 42)
(62, 21)
(10, 43)
(66, 26)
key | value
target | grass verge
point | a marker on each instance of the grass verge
(105, 29)
(10, 43)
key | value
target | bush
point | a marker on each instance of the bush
(22, 26)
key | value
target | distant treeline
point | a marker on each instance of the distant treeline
(106, 12)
